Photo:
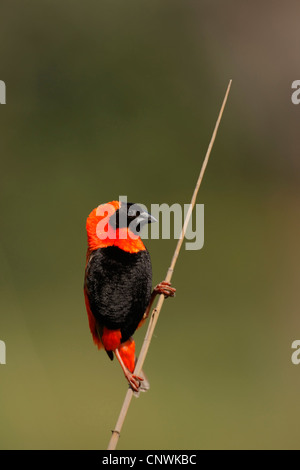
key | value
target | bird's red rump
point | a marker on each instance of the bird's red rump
(111, 339)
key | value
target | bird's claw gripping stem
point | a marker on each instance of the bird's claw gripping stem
(164, 288)
(134, 381)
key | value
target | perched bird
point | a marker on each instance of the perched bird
(118, 282)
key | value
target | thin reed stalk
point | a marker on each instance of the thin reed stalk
(156, 311)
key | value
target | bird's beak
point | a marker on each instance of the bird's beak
(151, 219)
(145, 218)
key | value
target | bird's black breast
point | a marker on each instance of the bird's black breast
(119, 287)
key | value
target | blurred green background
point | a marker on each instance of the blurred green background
(109, 98)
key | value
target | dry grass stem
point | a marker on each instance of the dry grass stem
(156, 311)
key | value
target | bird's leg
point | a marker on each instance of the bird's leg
(161, 288)
(133, 380)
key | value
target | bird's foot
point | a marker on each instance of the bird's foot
(134, 381)
(165, 289)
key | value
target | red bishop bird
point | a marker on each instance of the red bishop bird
(118, 282)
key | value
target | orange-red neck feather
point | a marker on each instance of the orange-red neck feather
(101, 234)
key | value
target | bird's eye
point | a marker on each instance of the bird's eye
(132, 212)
